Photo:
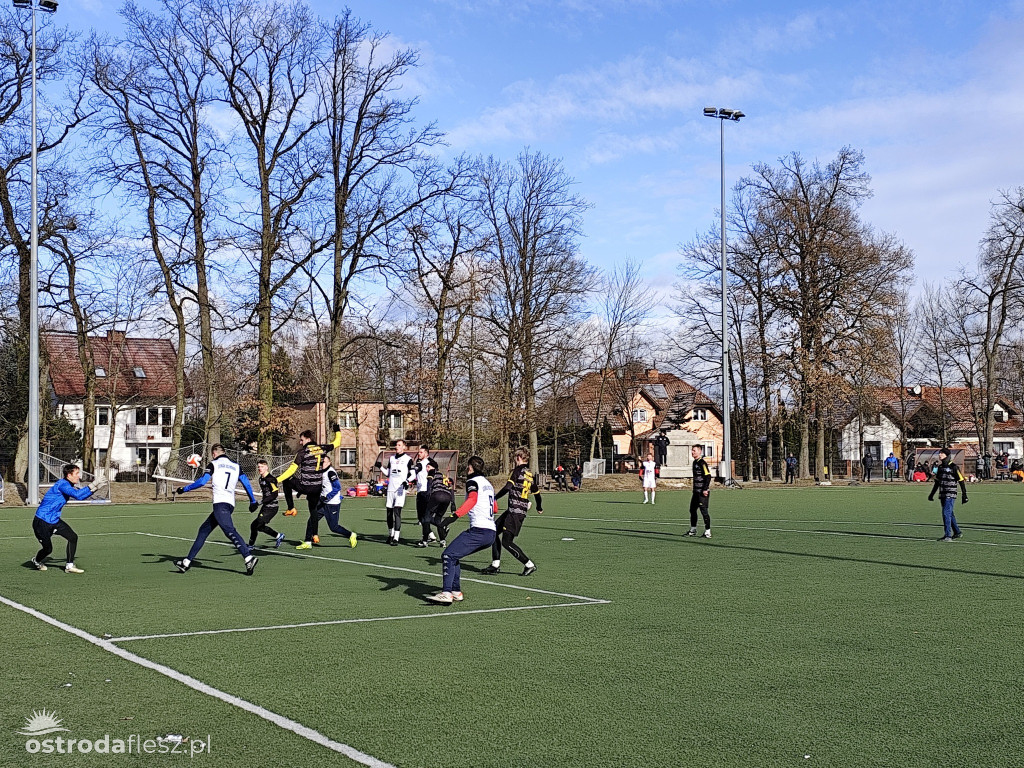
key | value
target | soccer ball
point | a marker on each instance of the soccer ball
(194, 460)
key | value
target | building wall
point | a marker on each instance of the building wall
(124, 452)
(885, 432)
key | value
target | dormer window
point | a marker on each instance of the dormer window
(700, 414)
(139, 373)
(101, 373)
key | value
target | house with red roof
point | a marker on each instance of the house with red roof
(917, 415)
(640, 403)
(135, 394)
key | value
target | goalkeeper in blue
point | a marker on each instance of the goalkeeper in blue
(47, 523)
(225, 476)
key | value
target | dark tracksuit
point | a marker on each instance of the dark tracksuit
(439, 498)
(698, 500)
(305, 475)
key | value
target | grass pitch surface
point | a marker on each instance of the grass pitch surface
(820, 626)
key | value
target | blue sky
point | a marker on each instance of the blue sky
(931, 92)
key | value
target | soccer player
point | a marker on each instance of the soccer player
(481, 508)
(510, 523)
(330, 505)
(947, 477)
(701, 492)
(424, 468)
(226, 475)
(441, 498)
(47, 520)
(649, 471)
(400, 474)
(305, 475)
(269, 489)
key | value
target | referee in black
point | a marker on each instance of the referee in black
(701, 492)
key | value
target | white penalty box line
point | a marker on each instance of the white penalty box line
(578, 600)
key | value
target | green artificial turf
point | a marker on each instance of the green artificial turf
(820, 626)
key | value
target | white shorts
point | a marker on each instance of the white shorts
(650, 484)
(396, 496)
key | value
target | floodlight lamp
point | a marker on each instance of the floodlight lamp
(50, 6)
(22, 3)
(726, 113)
(708, 111)
(736, 114)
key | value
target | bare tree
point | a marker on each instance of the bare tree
(267, 58)
(625, 305)
(541, 281)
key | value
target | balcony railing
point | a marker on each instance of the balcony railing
(142, 433)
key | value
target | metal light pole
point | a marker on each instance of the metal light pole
(726, 462)
(48, 6)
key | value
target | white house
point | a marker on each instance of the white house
(135, 395)
(876, 430)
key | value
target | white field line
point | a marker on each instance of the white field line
(435, 574)
(812, 533)
(352, 621)
(112, 533)
(197, 685)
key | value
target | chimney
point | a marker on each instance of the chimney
(652, 374)
(115, 337)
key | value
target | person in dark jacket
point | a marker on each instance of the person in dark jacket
(947, 477)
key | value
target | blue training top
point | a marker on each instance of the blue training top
(55, 499)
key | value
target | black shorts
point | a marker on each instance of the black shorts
(511, 522)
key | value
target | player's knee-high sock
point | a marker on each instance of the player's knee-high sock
(288, 499)
(398, 520)
(652, 496)
(391, 521)
(508, 541)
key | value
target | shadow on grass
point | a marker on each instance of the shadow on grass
(196, 564)
(412, 587)
(717, 543)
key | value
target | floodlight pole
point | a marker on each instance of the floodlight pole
(726, 461)
(48, 6)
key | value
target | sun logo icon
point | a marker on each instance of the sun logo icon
(42, 723)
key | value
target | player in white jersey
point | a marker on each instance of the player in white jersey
(400, 474)
(224, 475)
(481, 507)
(330, 503)
(649, 471)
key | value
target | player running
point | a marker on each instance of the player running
(305, 475)
(269, 490)
(481, 508)
(510, 523)
(47, 522)
(649, 471)
(400, 474)
(225, 476)
(330, 504)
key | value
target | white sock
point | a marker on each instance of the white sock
(495, 563)
(186, 562)
(652, 497)
(529, 564)
(248, 558)
(71, 564)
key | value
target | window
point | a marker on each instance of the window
(709, 449)
(347, 457)
(639, 414)
(347, 420)
(1002, 447)
(873, 449)
(699, 414)
(102, 416)
(999, 414)
(139, 373)
(101, 373)
(144, 457)
(390, 420)
(166, 416)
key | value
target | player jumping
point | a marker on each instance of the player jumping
(305, 475)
